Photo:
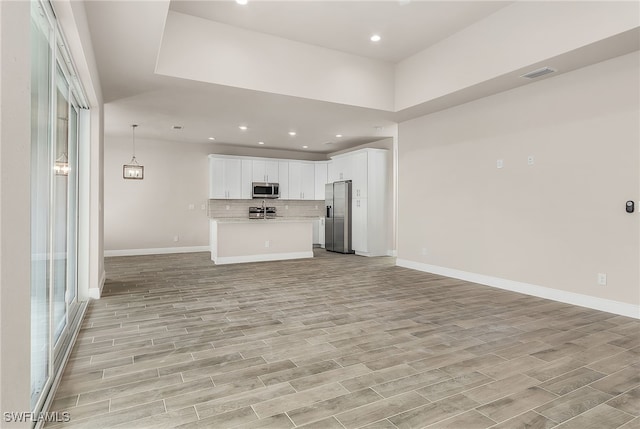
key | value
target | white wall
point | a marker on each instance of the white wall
(226, 55)
(149, 213)
(15, 252)
(556, 224)
(519, 35)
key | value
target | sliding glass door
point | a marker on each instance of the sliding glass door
(54, 202)
(41, 154)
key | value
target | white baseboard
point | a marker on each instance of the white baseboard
(581, 300)
(96, 292)
(155, 251)
(222, 260)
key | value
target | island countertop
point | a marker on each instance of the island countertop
(234, 240)
(277, 219)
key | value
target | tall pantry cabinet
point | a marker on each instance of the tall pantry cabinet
(368, 171)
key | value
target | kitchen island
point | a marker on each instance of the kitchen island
(235, 240)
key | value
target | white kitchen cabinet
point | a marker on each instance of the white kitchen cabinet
(368, 171)
(225, 175)
(283, 176)
(301, 180)
(318, 232)
(359, 173)
(265, 171)
(359, 226)
(321, 236)
(340, 168)
(247, 175)
(321, 179)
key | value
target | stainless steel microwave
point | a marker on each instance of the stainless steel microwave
(265, 190)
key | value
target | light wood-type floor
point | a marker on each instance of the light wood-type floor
(340, 341)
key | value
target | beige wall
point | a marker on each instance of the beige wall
(15, 253)
(521, 35)
(286, 66)
(555, 224)
(149, 213)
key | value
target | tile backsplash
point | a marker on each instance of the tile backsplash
(285, 208)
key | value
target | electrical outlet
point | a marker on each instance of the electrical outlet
(192, 206)
(500, 163)
(602, 279)
(424, 251)
(530, 160)
(267, 243)
(286, 207)
(176, 238)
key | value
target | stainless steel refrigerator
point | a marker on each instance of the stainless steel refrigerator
(337, 225)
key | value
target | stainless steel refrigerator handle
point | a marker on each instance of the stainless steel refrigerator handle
(328, 211)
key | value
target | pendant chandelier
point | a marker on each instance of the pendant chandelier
(61, 167)
(133, 170)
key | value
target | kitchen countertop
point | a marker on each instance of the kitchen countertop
(277, 219)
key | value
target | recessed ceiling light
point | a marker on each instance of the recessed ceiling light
(305, 147)
(260, 142)
(375, 38)
(338, 135)
(292, 133)
(243, 127)
(212, 138)
(242, 2)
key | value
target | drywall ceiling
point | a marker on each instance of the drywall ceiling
(127, 37)
(406, 27)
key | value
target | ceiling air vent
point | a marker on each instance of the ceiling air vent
(539, 72)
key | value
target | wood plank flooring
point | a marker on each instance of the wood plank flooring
(340, 341)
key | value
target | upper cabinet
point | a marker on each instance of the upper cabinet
(340, 168)
(247, 179)
(283, 174)
(321, 179)
(225, 175)
(265, 171)
(301, 180)
(352, 166)
(359, 165)
(231, 177)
